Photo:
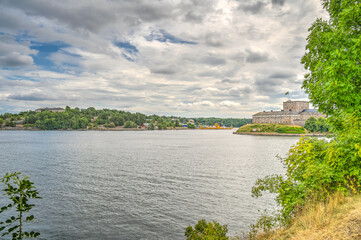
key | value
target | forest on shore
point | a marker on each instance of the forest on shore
(91, 118)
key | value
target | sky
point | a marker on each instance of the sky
(191, 58)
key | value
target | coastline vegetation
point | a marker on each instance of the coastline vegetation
(321, 173)
(271, 128)
(92, 118)
(317, 169)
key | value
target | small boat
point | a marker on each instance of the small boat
(216, 126)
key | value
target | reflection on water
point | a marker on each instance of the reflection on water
(141, 185)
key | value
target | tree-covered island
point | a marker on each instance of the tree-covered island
(105, 119)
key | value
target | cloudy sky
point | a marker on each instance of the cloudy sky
(223, 58)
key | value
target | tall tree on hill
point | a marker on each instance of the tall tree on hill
(333, 59)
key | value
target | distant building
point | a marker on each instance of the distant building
(50, 109)
(293, 113)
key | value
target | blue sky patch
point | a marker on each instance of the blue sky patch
(163, 36)
(127, 46)
(45, 49)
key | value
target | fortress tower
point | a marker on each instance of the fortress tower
(296, 106)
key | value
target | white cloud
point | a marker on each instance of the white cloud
(245, 55)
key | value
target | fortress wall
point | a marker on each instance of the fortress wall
(298, 119)
(273, 119)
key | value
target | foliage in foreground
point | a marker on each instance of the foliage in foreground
(271, 128)
(315, 169)
(19, 191)
(207, 231)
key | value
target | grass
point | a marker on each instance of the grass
(339, 218)
(272, 128)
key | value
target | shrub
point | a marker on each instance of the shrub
(207, 231)
(19, 191)
(10, 124)
(271, 128)
(290, 129)
(129, 124)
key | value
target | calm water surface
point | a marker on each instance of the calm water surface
(141, 185)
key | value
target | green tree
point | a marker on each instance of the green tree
(10, 124)
(19, 192)
(207, 231)
(322, 125)
(83, 122)
(311, 124)
(333, 59)
(129, 124)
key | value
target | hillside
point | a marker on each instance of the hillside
(339, 219)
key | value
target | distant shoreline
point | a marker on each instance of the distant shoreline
(100, 130)
(282, 134)
(84, 129)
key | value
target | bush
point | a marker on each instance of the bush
(207, 230)
(315, 169)
(290, 129)
(10, 124)
(316, 125)
(129, 124)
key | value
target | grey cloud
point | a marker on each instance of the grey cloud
(228, 81)
(256, 57)
(214, 61)
(282, 75)
(10, 19)
(15, 59)
(93, 16)
(29, 97)
(213, 40)
(196, 10)
(193, 17)
(253, 8)
(268, 86)
(278, 2)
(167, 70)
(152, 11)
(238, 91)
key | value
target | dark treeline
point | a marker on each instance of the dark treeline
(227, 122)
(92, 118)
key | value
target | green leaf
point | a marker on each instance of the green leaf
(30, 218)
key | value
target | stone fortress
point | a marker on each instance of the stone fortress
(293, 113)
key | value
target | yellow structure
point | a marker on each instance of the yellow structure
(216, 126)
